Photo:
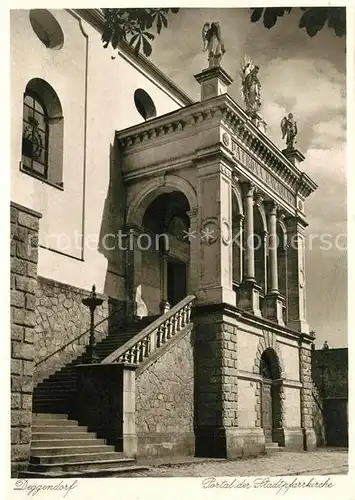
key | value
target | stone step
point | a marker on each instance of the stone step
(71, 450)
(80, 465)
(90, 472)
(58, 443)
(40, 422)
(45, 435)
(52, 416)
(273, 448)
(59, 428)
(69, 458)
(55, 393)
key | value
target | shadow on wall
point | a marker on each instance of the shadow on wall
(112, 223)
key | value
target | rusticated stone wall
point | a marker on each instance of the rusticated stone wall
(60, 318)
(165, 402)
(24, 256)
(310, 439)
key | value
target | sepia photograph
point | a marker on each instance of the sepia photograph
(178, 262)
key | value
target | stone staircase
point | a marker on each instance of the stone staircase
(56, 394)
(62, 448)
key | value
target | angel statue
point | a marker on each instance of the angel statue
(250, 85)
(289, 130)
(212, 41)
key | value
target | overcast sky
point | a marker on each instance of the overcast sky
(307, 77)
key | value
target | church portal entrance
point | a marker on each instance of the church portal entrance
(176, 281)
(270, 395)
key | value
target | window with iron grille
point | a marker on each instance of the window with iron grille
(35, 135)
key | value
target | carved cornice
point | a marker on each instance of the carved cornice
(245, 135)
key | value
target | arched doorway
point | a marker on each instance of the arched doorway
(270, 397)
(165, 265)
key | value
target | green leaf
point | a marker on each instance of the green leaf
(256, 14)
(147, 48)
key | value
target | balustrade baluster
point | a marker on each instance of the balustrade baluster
(153, 340)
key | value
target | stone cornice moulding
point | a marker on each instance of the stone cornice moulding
(96, 18)
(244, 132)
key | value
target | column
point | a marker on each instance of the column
(134, 268)
(274, 282)
(249, 291)
(273, 302)
(249, 271)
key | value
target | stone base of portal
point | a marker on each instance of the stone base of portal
(230, 442)
(290, 438)
(309, 439)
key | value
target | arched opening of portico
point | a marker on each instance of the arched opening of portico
(271, 384)
(158, 266)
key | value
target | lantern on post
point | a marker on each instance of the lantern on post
(92, 302)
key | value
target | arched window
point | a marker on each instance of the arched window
(35, 134)
(42, 133)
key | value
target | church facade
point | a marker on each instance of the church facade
(189, 221)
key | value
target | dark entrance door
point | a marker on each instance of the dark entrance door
(176, 277)
(266, 408)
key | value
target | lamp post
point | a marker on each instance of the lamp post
(92, 302)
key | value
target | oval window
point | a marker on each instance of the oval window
(144, 104)
(47, 28)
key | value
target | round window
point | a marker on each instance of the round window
(144, 104)
(47, 28)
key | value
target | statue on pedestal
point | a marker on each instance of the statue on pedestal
(212, 41)
(251, 86)
(289, 131)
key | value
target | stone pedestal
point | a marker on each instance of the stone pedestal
(294, 155)
(24, 257)
(249, 297)
(106, 403)
(259, 122)
(214, 82)
(273, 308)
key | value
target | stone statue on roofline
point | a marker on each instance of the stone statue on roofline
(289, 131)
(251, 87)
(213, 43)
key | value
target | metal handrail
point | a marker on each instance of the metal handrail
(111, 358)
(76, 338)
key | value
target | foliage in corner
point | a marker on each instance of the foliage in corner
(313, 19)
(134, 26)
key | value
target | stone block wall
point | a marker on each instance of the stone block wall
(24, 257)
(165, 402)
(60, 317)
(216, 382)
(310, 439)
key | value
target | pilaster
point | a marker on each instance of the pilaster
(212, 246)
(296, 279)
